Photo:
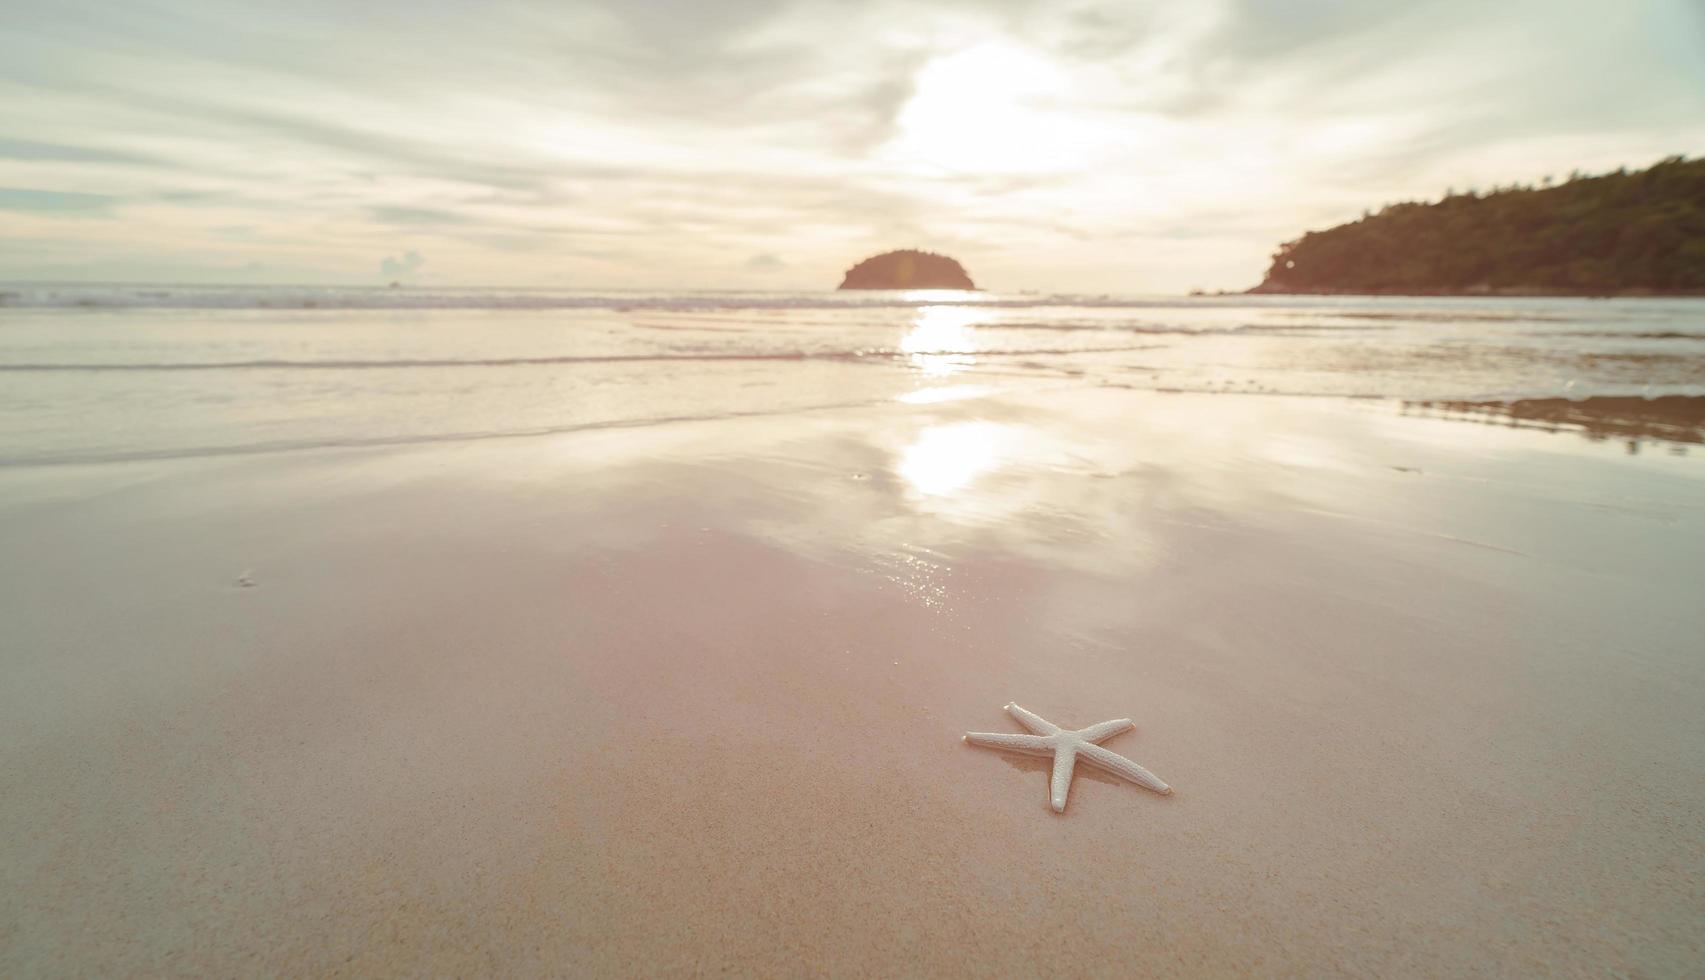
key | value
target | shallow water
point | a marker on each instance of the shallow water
(90, 373)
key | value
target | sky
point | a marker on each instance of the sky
(1051, 145)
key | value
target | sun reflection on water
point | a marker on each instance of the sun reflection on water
(942, 340)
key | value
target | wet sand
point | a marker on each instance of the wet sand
(688, 699)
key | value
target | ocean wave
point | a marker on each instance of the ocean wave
(414, 298)
(398, 440)
(1626, 335)
(882, 355)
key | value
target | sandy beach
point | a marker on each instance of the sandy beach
(687, 698)
(995, 489)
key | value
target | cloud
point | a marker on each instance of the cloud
(395, 267)
(13, 149)
(418, 216)
(24, 199)
(765, 263)
(643, 142)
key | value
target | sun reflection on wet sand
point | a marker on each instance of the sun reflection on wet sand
(942, 341)
(944, 393)
(946, 458)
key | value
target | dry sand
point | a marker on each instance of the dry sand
(688, 699)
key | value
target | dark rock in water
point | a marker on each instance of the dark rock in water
(907, 269)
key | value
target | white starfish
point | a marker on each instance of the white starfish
(1066, 747)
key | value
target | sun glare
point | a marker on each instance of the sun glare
(986, 109)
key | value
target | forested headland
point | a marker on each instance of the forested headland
(1620, 233)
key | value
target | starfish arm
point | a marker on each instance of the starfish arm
(1031, 744)
(1032, 721)
(1106, 730)
(1064, 759)
(1118, 765)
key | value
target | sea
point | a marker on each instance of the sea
(101, 373)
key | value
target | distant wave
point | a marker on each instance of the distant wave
(1184, 330)
(726, 325)
(99, 296)
(374, 298)
(1620, 335)
(1443, 316)
(878, 354)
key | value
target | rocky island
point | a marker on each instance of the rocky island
(1621, 233)
(907, 269)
